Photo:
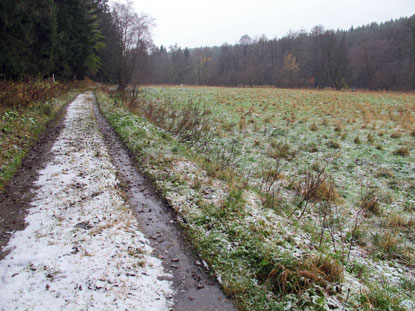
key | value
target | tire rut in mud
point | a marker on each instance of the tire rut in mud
(195, 289)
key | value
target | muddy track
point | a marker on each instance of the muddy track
(15, 199)
(195, 288)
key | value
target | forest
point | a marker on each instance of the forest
(375, 56)
(71, 40)
(112, 44)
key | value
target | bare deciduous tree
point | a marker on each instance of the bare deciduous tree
(134, 35)
(375, 56)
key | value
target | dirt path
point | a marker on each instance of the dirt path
(83, 248)
(15, 200)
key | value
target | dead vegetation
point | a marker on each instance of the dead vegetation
(308, 189)
(24, 94)
(396, 220)
(191, 123)
(370, 202)
(403, 152)
(298, 276)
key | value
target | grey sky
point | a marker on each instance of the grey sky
(195, 23)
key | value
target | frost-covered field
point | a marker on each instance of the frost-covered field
(298, 199)
(82, 248)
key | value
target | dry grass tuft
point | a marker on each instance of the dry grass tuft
(339, 126)
(311, 147)
(396, 135)
(385, 173)
(370, 138)
(297, 277)
(280, 150)
(370, 203)
(388, 243)
(396, 220)
(227, 126)
(314, 127)
(242, 124)
(327, 192)
(403, 152)
(333, 144)
(325, 122)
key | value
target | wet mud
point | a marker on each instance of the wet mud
(195, 288)
(16, 197)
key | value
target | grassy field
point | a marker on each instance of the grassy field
(296, 199)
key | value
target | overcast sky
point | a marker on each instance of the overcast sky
(193, 23)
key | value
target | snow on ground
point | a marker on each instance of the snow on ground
(81, 249)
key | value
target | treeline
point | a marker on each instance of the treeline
(376, 56)
(42, 37)
(74, 39)
(71, 39)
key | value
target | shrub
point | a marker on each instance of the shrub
(191, 123)
(23, 94)
(270, 175)
(307, 189)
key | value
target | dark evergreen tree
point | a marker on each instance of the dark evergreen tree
(79, 39)
(28, 37)
(109, 54)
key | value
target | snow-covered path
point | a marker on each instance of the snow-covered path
(82, 248)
